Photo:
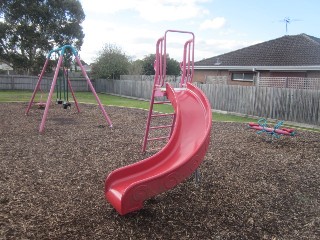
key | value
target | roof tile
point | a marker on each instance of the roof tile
(289, 50)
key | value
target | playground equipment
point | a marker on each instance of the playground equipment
(276, 131)
(62, 86)
(158, 91)
(126, 188)
(67, 85)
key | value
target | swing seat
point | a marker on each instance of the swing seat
(41, 105)
(59, 101)
(66, 105)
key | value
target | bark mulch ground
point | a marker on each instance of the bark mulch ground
(52, 184)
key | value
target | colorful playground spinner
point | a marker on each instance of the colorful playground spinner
(274, 132)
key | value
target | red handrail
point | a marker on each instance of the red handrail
(160, 67)
(188, 50)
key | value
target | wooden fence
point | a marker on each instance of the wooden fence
(296, 105)
(131, 88)
(20, 82)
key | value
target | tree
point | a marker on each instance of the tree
(111, 63)
(173, 66)
(136, 67)
(148, 64)
(30, 27)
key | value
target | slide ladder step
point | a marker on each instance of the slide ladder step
(162, 114)
(158, 138)
(164, 126)
(162, 102)
(158, 91)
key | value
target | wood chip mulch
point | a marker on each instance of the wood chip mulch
(52, 184)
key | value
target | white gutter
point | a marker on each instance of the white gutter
(260, 68)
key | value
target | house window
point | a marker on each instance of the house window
(243, 77)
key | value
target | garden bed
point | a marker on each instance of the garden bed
(52, 184)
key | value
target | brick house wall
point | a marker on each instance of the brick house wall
(202, 75)
(313, 74)
(288, 74)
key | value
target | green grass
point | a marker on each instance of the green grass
(16, 96)
(220, 117)
(106, 99)
(86, 97)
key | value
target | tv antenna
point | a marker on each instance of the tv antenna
(288, 20)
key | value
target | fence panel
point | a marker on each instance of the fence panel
(288, 104)
(297, 105)
(290, 82)
(18, 82)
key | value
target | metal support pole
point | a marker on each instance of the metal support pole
(37, 85)
(93, 91)
(197, 176)
(73, 96)
(146, 134)
(50, 95)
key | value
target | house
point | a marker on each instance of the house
(5, 67)
(295, 56)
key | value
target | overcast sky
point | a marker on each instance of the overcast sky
(220, 26)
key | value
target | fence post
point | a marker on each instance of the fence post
(257, 79)
(12, 83)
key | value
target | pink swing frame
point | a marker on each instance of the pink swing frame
(61, 52)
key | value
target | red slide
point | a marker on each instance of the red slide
(126, 188)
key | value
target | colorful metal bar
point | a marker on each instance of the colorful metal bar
(61, 52)
(162, 102)
(162, 114)
(37, 86)
(184, 50)
(73, 96)
(93, 91)
(158, 138)
(45, 114)
(163, 126)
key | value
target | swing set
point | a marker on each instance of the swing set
(62, 84)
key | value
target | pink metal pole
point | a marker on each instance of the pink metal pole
(37, 86)
(161, 62)
(165, 48)
(73, 96)
(192, 59)
(160, 76)
(183, 66)
(190, 74)
(93, 91)
(158, 67)
(50, 95)
(186, 60)
(146, 134)
(156, 83)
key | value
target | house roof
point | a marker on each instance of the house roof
(289, 51)
(4, 65)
